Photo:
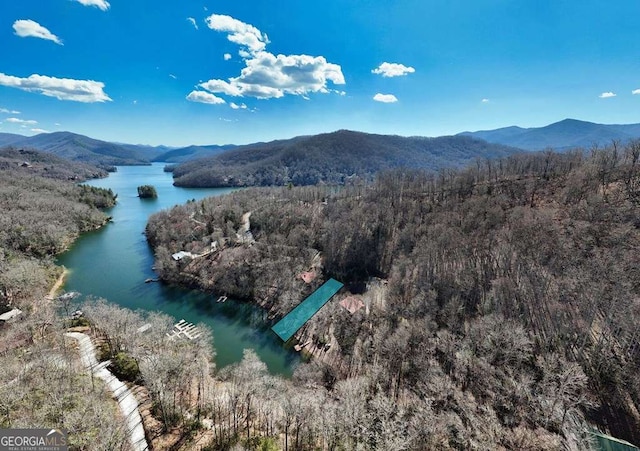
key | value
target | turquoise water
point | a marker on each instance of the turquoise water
(113, 263)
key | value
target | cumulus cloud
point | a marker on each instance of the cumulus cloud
(86, 91)
(30, 28)
(269, 76)
(635, 91)
(235, 106)
(607, 95)
(485, 100)
(5, 111)
(205, 97)
(238, 32)
(266, 75)
(227, 56)
(102, 4)
(15, 120)
(393, 70)
(39, 130)
(193, 22)
(385, 98)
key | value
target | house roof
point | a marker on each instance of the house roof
(352, 304)
(10, 314)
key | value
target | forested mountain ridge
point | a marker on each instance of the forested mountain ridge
(508, 313)
(331, 158)
(75, 147)
(563, 135)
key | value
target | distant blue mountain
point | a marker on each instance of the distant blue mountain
(77, 148)
(191, 153)
(82, 148)
(8, 138)
(563, 135)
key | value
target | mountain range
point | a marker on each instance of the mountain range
(563, 135)
(75, 147)
(349, 152)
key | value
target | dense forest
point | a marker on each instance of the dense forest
(498, 311)
(42, 211)
(500, 302)
(342, 157)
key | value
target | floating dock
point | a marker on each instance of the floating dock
(184, 329)
(296, 318)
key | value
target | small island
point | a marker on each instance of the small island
(147, 192)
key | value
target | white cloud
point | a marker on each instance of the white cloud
(86, 91)
(102, 4)
(173, 76)
(193, 22)
(15, 120)
(57, 124)
(385, 98)
(485, 100)
(393, 70)
(227, 56)
(238, 32)
(266, 75)
(222, 87)
(635, 91)
(607, 95)
(29, 28)
(235, 106)
(39, 130)
(5, 111)
(205, 97)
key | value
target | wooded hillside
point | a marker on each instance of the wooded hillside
(505, 309)
(79, 148)
(42, 211)
(331, 158)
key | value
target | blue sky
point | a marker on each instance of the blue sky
(214, 72)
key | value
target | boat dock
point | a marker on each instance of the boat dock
(184, 329)
(296, 318)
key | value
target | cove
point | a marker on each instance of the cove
(114, 262)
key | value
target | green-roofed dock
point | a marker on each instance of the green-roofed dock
(608, 443)
(295, 319)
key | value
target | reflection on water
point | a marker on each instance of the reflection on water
(114, 262)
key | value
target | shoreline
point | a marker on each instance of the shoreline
(58, 284)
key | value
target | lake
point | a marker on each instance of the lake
(114, 262)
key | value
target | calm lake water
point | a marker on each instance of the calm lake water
(113, 263)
